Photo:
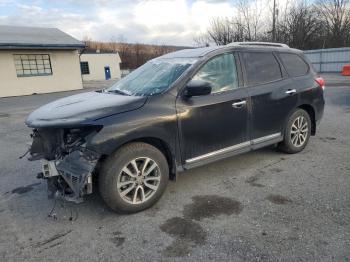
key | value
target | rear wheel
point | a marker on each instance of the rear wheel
(133, 178)
(297, 132)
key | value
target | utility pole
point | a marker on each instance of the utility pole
(274, 22)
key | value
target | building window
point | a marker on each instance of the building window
(33, 65)
(84, 67)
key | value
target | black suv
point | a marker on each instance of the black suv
(179, 111)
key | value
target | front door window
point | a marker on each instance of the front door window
(220, 72)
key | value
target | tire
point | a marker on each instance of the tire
(294, 133)
(121, 178)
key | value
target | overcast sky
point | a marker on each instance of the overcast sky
(172, 22)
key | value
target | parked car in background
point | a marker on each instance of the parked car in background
(179, 111)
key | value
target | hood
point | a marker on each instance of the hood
(82, 109)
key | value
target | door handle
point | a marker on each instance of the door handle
(239, 104)
(291, 91)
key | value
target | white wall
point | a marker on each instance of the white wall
(97, 63)
(65, 74)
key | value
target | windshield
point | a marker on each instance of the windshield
(153, 77)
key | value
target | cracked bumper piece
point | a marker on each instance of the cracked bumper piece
(71, 177)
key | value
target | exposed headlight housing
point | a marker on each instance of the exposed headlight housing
(55, 143)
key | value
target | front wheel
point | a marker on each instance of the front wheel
(297, 132)
(133, 178)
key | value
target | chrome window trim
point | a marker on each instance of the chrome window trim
(233, 148)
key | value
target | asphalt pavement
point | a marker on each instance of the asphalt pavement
(259, 206)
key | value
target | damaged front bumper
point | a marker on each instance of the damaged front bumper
(71, 177)
(67, 165)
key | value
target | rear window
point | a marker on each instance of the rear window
(294, 64)
(261, 68)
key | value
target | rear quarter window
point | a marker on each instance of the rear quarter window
(261, 67)
(294, 64)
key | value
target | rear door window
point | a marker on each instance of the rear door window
(261, 67)
(294, 64)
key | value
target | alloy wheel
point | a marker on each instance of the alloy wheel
(139, 180)
(299, 131)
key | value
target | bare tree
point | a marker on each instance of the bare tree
(251, 14)
(336, 18)
(221, 31)
(300, 28)
(246, 25)
(201, 40)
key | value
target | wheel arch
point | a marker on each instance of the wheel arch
(158, 143)
(311, 111)
(163, 147)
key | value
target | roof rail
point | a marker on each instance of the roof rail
(258, 44)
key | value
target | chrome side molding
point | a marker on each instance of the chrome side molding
(233, 148)
(218, 152)
(265, 138)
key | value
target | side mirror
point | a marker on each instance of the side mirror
(198, 88)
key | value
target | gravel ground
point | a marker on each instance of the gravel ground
(260, 206)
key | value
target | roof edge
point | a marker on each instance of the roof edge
(41, 46)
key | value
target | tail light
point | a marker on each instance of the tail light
(320, 81)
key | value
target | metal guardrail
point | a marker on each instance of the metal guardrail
(329, 60)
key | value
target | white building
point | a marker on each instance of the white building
(38, 60)
(100, 66)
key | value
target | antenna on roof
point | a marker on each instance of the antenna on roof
(258, 44)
